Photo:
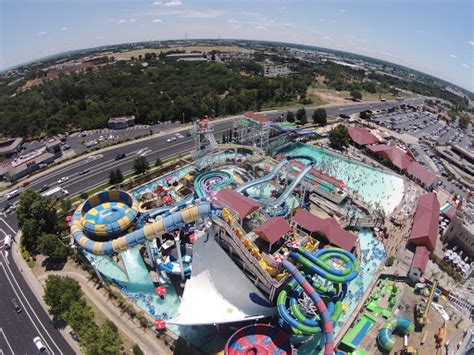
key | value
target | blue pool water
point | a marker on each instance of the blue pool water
(372, 185)
(111, 214)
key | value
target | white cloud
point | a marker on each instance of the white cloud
(42, 33)
(471, 43)
(261, 28)
(121, 21)
(157, 3)
(453, 55)
(342, 10)
(64, 28)
(235, 26)
(157, 20)
(132, 20)
(202, 14)
(466, 65)
(173, 3)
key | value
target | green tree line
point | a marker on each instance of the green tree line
(165, 90)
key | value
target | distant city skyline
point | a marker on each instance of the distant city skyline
(436, 38)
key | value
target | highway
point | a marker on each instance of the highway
(18, 330)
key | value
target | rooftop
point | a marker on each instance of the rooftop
(328, 227)
(273, 229)
(240, 204)
(420, 259)
(425, 225)
(362, 136)
(256, 117)
(121, 119)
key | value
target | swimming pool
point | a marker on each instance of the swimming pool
(373, 186)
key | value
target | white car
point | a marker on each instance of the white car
(63, 179)
(172, 139)
(39, 344)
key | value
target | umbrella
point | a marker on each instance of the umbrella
(278, 258)
(168, 178)
(68, 218)
(167, 198)
(160, 291)
(192, 238)
(159, 324)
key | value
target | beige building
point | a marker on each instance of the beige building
(461, 229)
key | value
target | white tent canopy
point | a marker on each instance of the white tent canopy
(218, 291)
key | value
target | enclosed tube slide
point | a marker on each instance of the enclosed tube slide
(398, 325)
(162, 225)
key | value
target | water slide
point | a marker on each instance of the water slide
(210, 182)
(259, 339)
(329, 309)
(163, 225)
(263, 179)
(354, 336)
(285, 194)
(399, 325)
(318, 302)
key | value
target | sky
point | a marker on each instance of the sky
(436, 37)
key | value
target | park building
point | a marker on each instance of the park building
(121, 122)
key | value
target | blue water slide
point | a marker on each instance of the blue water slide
(263, 179)
(281, 199)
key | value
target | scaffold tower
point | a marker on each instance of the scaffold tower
(204, 142)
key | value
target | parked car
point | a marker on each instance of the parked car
(16, 306)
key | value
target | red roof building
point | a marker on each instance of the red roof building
(425, 225)
(420, 259)
(418, 172)
(327, 227)
(361, 136)
(256, 117)
(240, 204)
(273, 229)
(404, 162)
(394, 154)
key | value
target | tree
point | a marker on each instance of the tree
(140, 165)
(463, 121)
(158, 162)
(290, 117)
(79, 316)
(103, 340)
(364, 115)
(118, 176)
(50, 246)
(301, 116)
(59, 293)
(339, 137)
(36, 215)
(112, 177)
(136, 350)
(356, 95)
(320, 116)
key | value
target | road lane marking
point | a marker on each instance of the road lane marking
(4, 222)
(29, 305)
(6, 340)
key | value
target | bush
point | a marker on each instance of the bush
(390, 261)
(136, 350)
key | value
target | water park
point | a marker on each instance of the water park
(266, 245)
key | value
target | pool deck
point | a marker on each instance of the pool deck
(355, 314)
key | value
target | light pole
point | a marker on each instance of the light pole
(178, 250)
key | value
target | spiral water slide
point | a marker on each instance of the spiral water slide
(292, 315)
(163, 225)
(210, 182)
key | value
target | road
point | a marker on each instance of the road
(20, 329)
(17, 330)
